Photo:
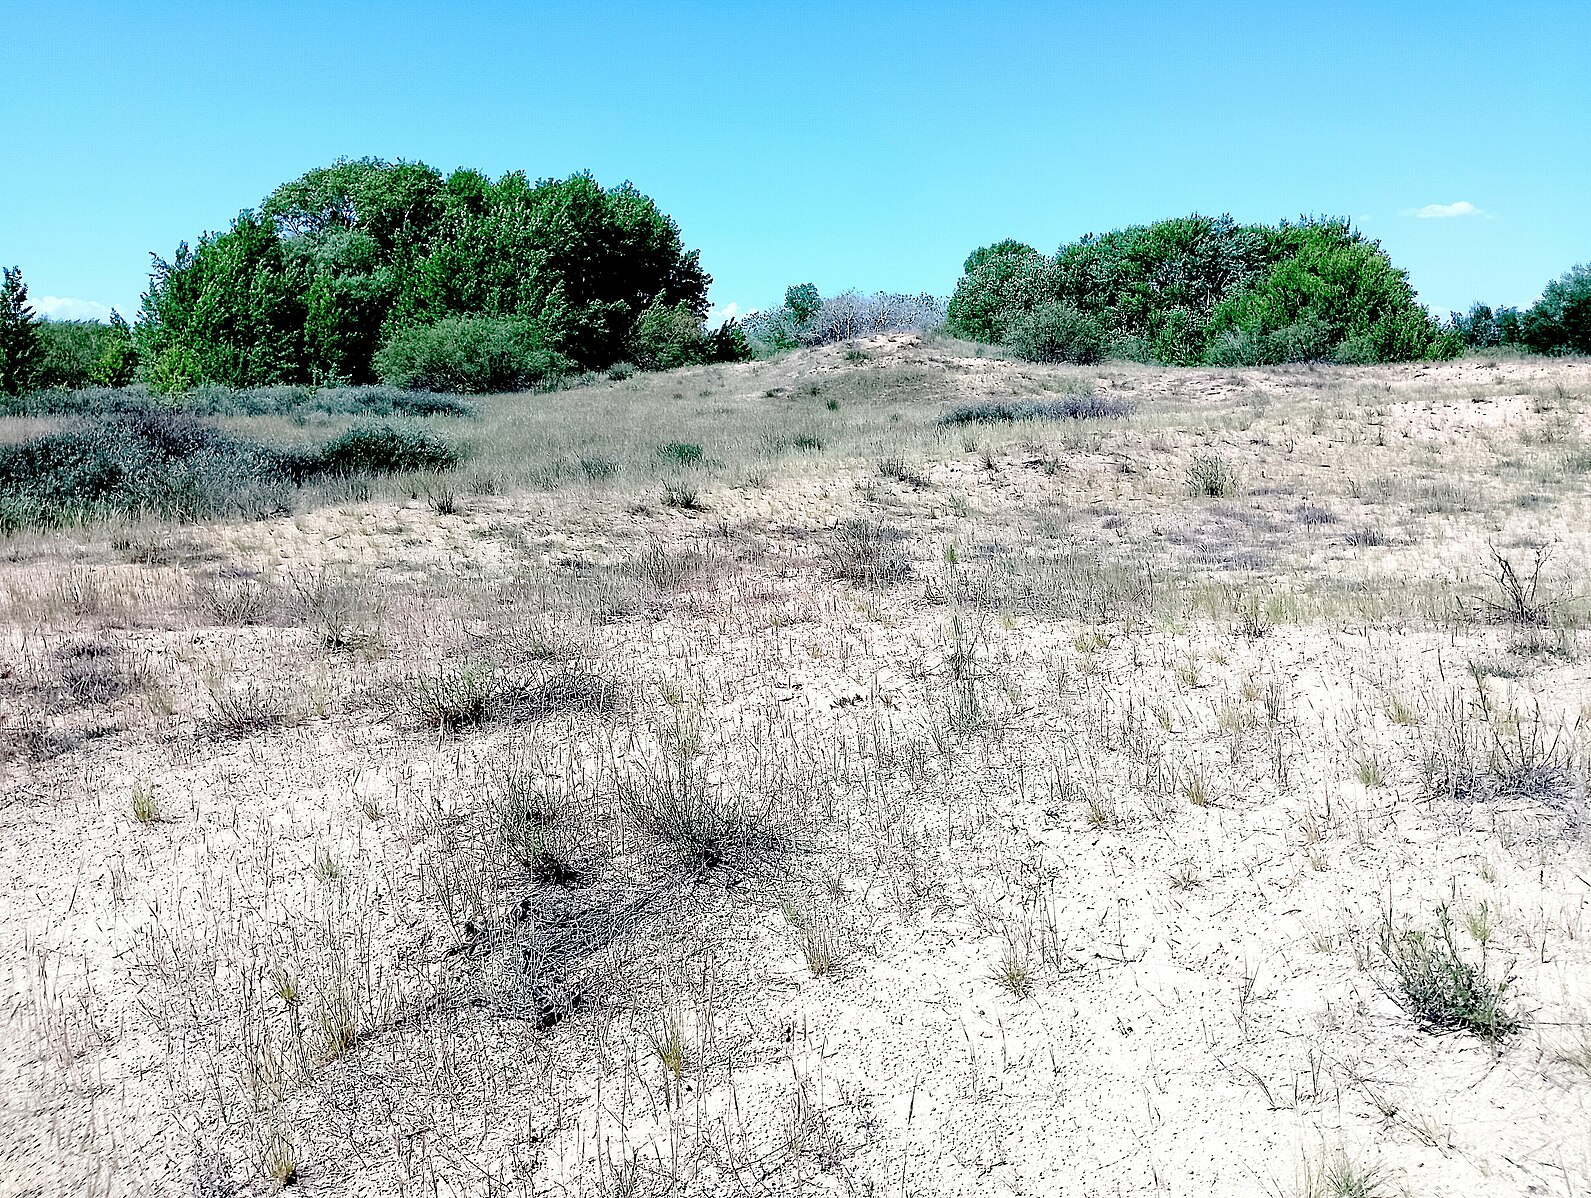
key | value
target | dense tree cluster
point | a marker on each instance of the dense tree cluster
(1199, 290)
(1559, 322)
(369, 265)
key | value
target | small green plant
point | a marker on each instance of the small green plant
(683, 497)
(1341, 1177)
(682, 453)
(668, 1045)
(1401, 713)
(1369, 772)
(244, 710)
(599, 467)
(280, 1160)
(820, 947)
(457, 695)
(1014, 973)
(1439, 987)
(145, 808)
(1211, 476)
(325, 866)
(901, 471)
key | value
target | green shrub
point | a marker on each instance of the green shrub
(471, 354)
(210, 400)
(382, 448)
(1439, 987)
(1056, 332)
(161, 463)
(667, 336)
(682, 453)
(1211, 476)
(174, 465)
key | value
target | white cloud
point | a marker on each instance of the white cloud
(1446, 211)
(727, 312)
(60, 308)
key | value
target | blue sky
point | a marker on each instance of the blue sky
(856, 144)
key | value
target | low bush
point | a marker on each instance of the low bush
(382, 448)
(1211, 476)
(177, 466)
(470, 354)
(1073, 407)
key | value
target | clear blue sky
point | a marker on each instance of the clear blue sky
(854, 144)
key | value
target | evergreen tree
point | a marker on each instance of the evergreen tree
(19, 335)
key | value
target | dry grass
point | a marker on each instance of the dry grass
(887, 769)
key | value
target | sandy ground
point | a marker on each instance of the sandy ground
(1061, 826)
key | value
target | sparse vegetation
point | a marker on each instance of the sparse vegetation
(517, 786)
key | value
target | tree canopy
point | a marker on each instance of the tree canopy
(348, 258)
(1198, 289)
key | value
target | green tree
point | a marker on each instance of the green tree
(232, 304)
(1200, 289)
(1560, 321)
(802, 302)
(117, 364)
(348, 257)
(19, 335)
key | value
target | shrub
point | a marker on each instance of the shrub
(1212, 476)
(457, 695)
(211, 400)
(667, 336)
(807, 319)
(472, 354)
(1056, 332)
(162, 463)
(175, 465)
(682, 453)
(1073, 407)
(382, 448)
(869, 552)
